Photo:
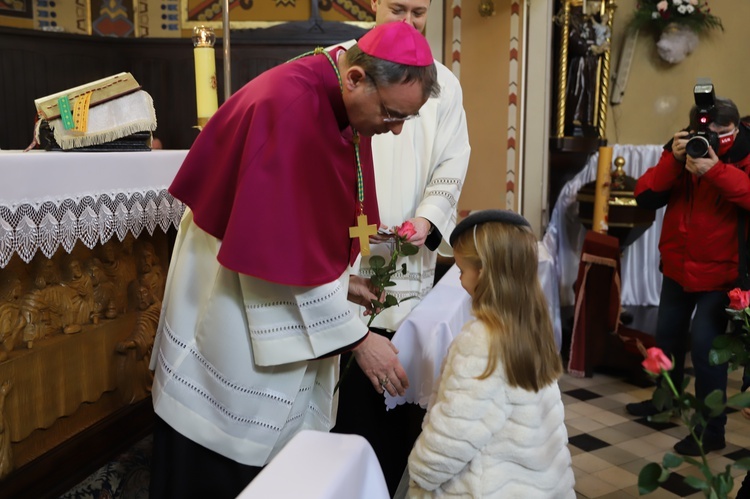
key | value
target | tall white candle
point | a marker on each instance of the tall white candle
(205, 73)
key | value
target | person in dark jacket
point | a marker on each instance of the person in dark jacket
(699, 247)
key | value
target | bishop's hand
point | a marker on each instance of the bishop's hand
(378, 359)
(362, 292)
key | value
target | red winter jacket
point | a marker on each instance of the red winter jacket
(698, 244)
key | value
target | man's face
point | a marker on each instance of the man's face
(413, 12)
(374, 110)
(723, 129)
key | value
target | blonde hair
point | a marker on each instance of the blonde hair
(509, 300)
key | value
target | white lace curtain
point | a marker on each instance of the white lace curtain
(641, 279)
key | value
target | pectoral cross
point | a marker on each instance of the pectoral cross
(363, 232)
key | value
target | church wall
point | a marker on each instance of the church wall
(659, 95)
(490, 72)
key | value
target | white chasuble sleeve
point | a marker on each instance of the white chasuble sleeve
(448, 159)
(209, 384)
(289, 324)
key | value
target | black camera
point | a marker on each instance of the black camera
(699, 140)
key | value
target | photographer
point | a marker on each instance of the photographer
(702, 178)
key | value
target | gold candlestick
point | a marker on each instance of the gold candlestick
(601, 195)
(205, 73)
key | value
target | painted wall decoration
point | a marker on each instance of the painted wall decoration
(17, 13)
(112, 18)
(16, 8)
(73, 16)
(514, 77)
(157, 18)
(170, 18)
(255, 14)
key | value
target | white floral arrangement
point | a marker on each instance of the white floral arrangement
(657, 15)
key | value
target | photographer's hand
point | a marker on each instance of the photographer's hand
(678, 145)
(699, 166)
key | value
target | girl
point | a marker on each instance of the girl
(494, 428)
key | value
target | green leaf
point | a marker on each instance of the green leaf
(662, 417)
(721, 341)
(389, 283)
(672, 460)
(662, 399)
(391, 301)
(377, 261)
(743, 464)
(715, 403)
(377, 304)
(718, 357)
(725, 483)
(408, 249)
(739, 400)
(696, 483)
(648, 478)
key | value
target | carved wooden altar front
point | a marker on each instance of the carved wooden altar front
(82, 276)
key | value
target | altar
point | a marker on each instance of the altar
(84, 249)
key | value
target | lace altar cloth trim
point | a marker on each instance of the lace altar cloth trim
(26, 228)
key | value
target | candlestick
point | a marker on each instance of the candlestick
(601, 195)
(205, 73)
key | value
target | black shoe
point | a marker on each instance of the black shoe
(688, 446)
(642, 409)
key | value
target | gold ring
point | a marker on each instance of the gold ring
(384, 382)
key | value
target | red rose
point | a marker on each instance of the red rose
(738, 299)
(406, 231)
(656, 361)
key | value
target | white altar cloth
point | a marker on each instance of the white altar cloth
(51, 199)
(320, 465)
(424, 337)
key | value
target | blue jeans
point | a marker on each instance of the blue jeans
(674, 334)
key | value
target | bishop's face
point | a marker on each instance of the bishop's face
(379, 109)
(413, 12)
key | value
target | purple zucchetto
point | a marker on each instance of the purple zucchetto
(397, 42)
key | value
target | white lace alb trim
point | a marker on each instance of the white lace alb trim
(26, 228)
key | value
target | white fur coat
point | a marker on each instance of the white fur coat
(484, 439)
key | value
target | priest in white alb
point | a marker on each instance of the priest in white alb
(419, 174)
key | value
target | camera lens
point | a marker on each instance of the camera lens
(697, 147)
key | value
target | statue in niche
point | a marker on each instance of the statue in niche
(12, 321)
(588, 39)
(80, 291)
(149, 269)
(6, 454)
(119, 268)
(134, 375)
(104, 291)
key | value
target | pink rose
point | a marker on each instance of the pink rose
(662, 6)
(406, 231)
(738, 299)
(656, 361)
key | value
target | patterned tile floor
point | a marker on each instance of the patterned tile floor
(609, 447)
